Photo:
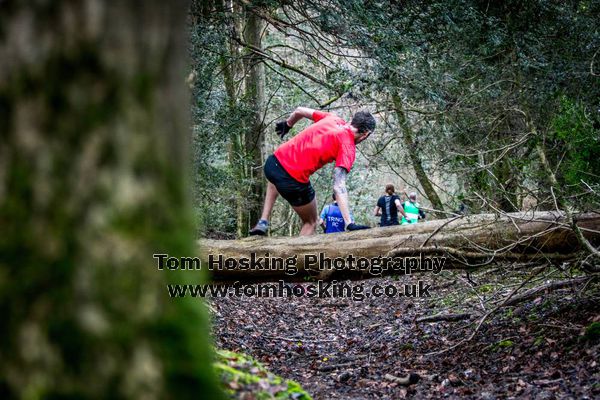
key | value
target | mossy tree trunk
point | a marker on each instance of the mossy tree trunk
(415, 159)
(244, 83)
(505, 192)
(254, 138)
(93, 121)
(233, 77)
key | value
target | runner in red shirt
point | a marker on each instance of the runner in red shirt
(288, 170)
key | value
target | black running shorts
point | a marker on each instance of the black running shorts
(296, 193)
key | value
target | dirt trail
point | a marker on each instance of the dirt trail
(338, 348)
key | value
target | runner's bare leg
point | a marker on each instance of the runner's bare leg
(308, 214)
(270, 198)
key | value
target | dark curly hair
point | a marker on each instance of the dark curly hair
(363, 121)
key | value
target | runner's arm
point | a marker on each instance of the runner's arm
(322, 217)
(341, 193)
(377, 211)
(400, 208)
(298, 114)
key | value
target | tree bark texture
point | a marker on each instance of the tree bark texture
(466, 242)
(254, 138)
(94, 148)
(413, 154)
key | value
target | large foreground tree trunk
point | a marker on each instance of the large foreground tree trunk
(94, 130)
(466, 242)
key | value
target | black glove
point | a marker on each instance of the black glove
(356, 227)
(281, 128)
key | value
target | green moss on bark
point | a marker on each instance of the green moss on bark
(89, 191)
(241, 374)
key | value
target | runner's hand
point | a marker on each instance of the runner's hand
(281, 128)
(356, 227)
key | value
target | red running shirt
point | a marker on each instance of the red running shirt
(328, 139)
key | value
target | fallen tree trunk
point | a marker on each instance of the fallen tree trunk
(464, 242)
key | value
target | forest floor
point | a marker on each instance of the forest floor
(339, 348)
